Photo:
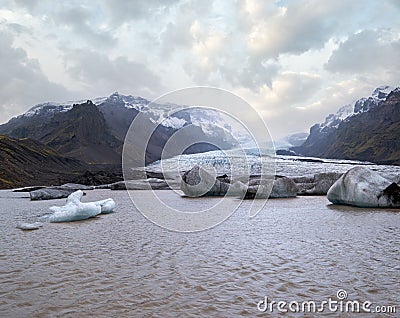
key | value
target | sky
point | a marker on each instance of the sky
(294, 61)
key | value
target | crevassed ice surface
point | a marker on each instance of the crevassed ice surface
(289, 166)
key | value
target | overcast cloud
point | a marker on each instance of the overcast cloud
(294, 60)
(22, 82)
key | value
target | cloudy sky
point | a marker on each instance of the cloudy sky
(295, 61)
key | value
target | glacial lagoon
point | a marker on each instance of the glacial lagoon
(122, 265)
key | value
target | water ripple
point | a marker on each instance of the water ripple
(121, 265)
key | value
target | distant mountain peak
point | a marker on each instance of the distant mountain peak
(361, 105)
(50, 108)
(368, 130)
(382, 91)
(94, 130)
(127, 101)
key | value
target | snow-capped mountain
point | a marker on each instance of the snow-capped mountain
(157, 112)
(84, 129)
(360, 106)
(332, 121)
(367, 129)
(128, 101)
(174, 122)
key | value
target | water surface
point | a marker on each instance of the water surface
(122, 265)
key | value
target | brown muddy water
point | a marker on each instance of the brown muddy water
(122, 265)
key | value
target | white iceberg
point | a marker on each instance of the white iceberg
(29, 226)
(75, 210)
(107, 205)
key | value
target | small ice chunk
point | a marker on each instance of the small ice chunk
(29, 226)
(107, 205)
(73, 210)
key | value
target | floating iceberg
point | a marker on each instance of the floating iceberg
(75, 210)
(107, 205)
(365, 188)
(29, 226)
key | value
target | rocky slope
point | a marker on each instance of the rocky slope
(27, 162)
(368, 130)
(82, 133)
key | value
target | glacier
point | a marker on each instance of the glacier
(75, 210)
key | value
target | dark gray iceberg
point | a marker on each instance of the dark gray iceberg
(365, 188)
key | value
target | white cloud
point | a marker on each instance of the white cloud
(80, 21)
(272, 30)
(291, 88)
(97, 72)
(22, 82)
(122, 11)
(367, 52)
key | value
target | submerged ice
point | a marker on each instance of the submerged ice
(75, 210)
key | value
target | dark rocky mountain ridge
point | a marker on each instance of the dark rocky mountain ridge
(371, 133)
(94, 132)
(80, 132)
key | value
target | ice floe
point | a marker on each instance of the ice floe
(29, 226)
(75, 210)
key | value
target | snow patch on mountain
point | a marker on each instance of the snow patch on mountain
(362, 105)
(129, 101)
(382, 92)
(51, 107)
(165, 114)
(173, 122)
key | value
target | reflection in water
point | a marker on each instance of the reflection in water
(122, 265)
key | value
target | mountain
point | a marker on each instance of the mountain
(82, 133)
(119, 111)
(79, 132)
(27, 162)
(293, 140)
(297, 139)
(94, 131)
(369, 129)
